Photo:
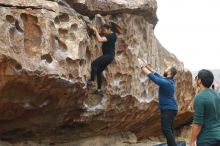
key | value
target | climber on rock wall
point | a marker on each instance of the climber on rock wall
(167, 101)
(108, 40)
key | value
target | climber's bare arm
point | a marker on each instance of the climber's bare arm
(100, 39)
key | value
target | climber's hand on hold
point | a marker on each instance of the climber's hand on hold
(145, 62)
(98, 15)
(92, 28)
(98, 37)
(141, 63)
(101, 18)
(150, 68)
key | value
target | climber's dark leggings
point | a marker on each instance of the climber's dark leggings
(98, 66)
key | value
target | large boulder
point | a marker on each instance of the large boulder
(45, 56)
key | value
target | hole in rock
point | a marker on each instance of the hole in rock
(10, 18)
(69, 60)
(62, 31)
(74, 27)
(64, 17)
(47, 57)
(70, 76)
(61, 18)
(16, 65)
(81, 62)
(56, 20)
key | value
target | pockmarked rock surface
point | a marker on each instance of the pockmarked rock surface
(45, 54)
(145, 8)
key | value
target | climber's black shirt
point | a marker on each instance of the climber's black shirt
(108, 48)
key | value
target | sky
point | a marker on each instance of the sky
(190, 29)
